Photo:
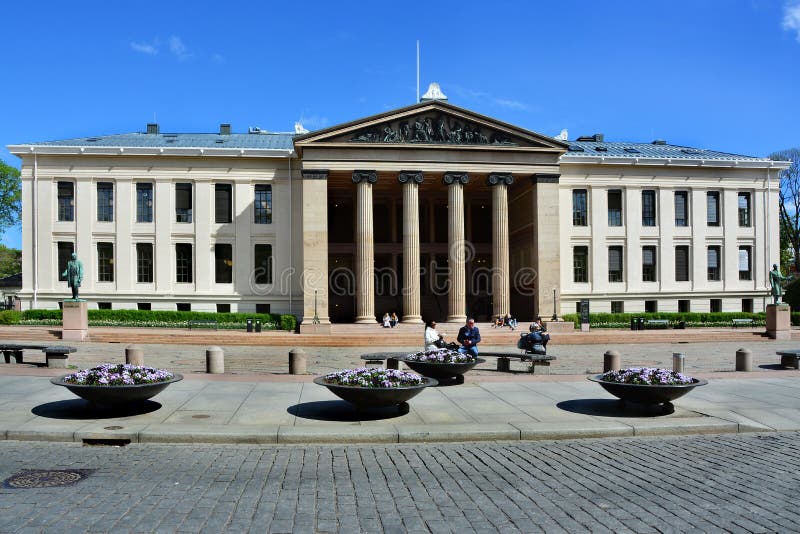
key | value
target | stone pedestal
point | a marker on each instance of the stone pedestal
(75, 320)
(744, 360)
(297, 362)
(779, 322)
(215, 360)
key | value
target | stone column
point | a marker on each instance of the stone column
(411, 289)
(501, 283)
(457, 249)
(547, 260)
(365, 251)
(315, 252)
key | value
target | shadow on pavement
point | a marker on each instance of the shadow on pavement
(78, 409)
(615, 408)
(772, 366)
(337, 410)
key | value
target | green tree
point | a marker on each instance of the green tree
(10, 261)
(789, 202)
(10, 196)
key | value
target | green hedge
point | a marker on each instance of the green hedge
(180, 318)
(795, 318)
(10, 317)
(622, 320)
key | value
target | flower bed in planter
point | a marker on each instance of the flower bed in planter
(116, 384)
(442, 363)
(376, 387)
(647, 385)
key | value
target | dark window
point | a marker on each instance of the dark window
(263, 204)
(648, 208)
(481, 224)
(183, 203)
(712, 199)
(651, 306)
(184, 306)
(682, 263)
(714, 263)
(262, 308)
(263, 264)
(223, 308)
(681, 208)
(615, 207)
(615, 264)
(649, 264)
(223, 263)
(223, 203)
(744, 209)
(683, 306)
(66, 201)
(65, 250)
(580, 264)
(617, 306)
(439, 222)
(144, 263)
(183, 263)
(146, 306)
(579, 207)
(103, 305)
(105, 201)
(144, 202)
(716, 305)
(747, 305)
(745, 264)
(105, 262)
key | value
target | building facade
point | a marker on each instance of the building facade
(429, 211)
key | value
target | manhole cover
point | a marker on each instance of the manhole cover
(34, 478)
(113, 427)
(201, 416)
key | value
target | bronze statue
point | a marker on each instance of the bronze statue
(775, 279)
(74, 275)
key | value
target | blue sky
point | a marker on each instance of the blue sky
(719, 74)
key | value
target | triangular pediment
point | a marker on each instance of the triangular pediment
(434, 123)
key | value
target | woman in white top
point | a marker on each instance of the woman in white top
(431, 335)
(386, 319)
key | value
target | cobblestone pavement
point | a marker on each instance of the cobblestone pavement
(571, 359)
(739, 483)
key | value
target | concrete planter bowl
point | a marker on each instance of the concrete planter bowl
(442, 371)
(363, 398)
(116, 395)
(645, 393)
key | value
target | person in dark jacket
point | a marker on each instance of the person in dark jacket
(469, 336)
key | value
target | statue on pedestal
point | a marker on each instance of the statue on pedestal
(775, 279)
(74, 275)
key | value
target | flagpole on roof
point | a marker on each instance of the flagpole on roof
(417, 70)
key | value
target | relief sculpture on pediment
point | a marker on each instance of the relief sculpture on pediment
(432, 129)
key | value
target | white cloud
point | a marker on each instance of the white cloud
(146, 48)
(314, 122)
(791, 18)
(218, 59)
(472, 94)
(512, 104)
(177, 48)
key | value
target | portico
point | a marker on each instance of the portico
(424, 206)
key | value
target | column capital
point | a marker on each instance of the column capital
(451, 178)
(500, 178)
(365, 176)
(545, 178)
(410, 176)
(315, 174)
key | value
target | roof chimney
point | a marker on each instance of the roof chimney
(597, 138)
(152, 128)
(224, 129)
(659, 142)
(434, 93)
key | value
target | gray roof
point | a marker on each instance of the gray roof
(596, 149)
(269, 141)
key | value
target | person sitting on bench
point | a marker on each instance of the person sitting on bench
(469, 336)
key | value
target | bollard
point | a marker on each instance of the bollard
(678, 359)
(258, 325)
(297, 362)
(249, 325)
(611, 361)
(215, 360)
(744, 360)
(134, 355)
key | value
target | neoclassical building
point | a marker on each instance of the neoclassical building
(427, 211)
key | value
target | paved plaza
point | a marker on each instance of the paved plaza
(731, 483)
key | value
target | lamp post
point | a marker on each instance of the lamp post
(555, 314)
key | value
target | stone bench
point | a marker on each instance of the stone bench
(12, 352)
(203, 323)
(656, 323)
(536, 360)
(742, 322)
(789, 358)
(57, 356)
(392, 358)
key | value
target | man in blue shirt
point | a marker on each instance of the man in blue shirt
(469, 336)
